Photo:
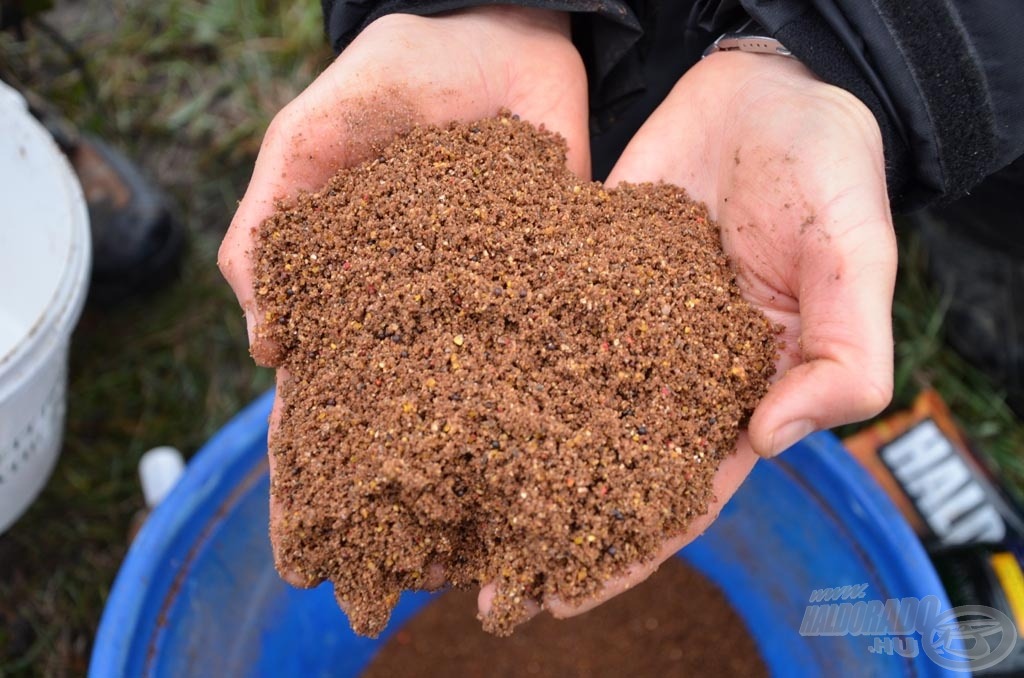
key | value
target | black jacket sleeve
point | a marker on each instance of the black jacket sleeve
(944, 78)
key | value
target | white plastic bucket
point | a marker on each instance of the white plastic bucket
(44, 272)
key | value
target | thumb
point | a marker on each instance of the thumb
(845, 274)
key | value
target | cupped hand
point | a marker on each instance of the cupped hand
(405, 70)
(793, 171)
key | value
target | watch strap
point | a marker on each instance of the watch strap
(748, 37)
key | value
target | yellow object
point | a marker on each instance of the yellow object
(1010, 576)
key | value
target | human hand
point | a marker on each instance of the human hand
(405, 70)
(793, 171)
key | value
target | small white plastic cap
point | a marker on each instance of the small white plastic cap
(159, 470)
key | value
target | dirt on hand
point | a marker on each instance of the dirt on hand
(496, 368)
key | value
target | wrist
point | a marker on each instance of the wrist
(516, 20)
(743, 67)
(762, 79)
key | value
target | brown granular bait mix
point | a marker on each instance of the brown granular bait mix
(496, 368)
(677, 623)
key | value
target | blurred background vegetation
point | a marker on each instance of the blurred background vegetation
(187, 87)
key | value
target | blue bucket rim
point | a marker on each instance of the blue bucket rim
(816, 463)
(204, 477)
(217, 464)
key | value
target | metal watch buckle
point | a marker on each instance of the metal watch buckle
(739, 42)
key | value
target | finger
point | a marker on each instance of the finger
(284, 569)
(730, 475)
(845, 280)
(435, 578)
(485, 601)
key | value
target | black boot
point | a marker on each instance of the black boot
(136, 243)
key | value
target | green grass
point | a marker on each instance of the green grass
(168, 371)
(188, 86)
(924, 359)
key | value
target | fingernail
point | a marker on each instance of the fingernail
(787, 435)
(250, 327)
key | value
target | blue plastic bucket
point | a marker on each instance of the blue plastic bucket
(197, 594)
